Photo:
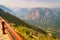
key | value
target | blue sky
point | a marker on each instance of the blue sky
(30, 3)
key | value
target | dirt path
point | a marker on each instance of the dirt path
(3, 37)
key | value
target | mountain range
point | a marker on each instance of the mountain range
(45, 18)
(39, 15)
(26, 30)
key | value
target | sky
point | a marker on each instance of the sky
(30, 3)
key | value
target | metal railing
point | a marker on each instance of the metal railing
(6, 28)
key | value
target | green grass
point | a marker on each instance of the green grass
(31, 34)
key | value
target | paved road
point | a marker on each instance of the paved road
(3, 37)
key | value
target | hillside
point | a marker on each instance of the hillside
(12, 19)
(46, 18)
(27, 31)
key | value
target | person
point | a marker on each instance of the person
(3, 28)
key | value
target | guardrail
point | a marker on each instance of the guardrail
(7, 28)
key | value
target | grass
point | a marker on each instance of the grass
(31, 34)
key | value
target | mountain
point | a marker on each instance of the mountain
(13, 19)
(6, 9)
(32, 31)
(20, 12)
(38, 15)
(46, 18)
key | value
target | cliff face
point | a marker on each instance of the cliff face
(33, 15)
(44, 16)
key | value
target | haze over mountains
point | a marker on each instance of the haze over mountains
(6, 9)
(24, 29)
(39, 15)
(47, 18)
(44, 16)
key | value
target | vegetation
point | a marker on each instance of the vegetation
(27, 31)
(13, 19)
(31, 34)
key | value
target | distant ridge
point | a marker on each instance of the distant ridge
(6, 9)
(13, 19)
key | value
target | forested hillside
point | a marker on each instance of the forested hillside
(12, 19)
(26, 30)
